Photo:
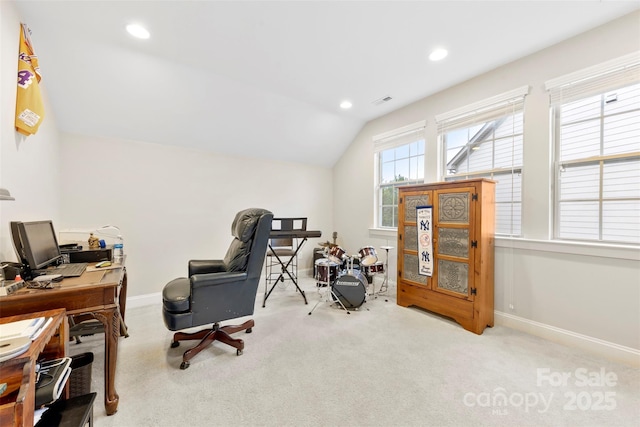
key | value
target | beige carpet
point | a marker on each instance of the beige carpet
(382, 365)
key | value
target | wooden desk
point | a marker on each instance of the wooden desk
(17, 402)
(100, 294)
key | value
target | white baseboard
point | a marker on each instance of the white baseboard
(608, 350)
(143, 300)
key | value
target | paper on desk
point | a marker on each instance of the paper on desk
(87, 278)
(39, 331)
(21, 328)
(111, 267)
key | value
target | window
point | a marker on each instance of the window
(400, 161)
(485, 140)
(596, 116)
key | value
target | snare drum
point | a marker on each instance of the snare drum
(372, 269)
(351, 289)
(326, 270)
(367, 255)
(336, 254)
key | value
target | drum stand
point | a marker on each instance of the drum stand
(329, 294)
(327, 298)
(385, 283)
(372, 276)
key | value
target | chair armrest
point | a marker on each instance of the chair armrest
(214, 279)
(202, 266)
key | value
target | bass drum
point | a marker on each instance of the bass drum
(351, 289)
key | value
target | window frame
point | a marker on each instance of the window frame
(600, 161)
(504, 105)
(596, 81)
(390, 141)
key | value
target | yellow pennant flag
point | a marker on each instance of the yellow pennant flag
(29, 108)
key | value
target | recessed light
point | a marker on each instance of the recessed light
(438, 54)
(345, 105)
(138, 31)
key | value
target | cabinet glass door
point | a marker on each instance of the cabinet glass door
(408, 235)
(453, 252)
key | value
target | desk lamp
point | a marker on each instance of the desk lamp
(100, 231)
(5, 195)
(118, 245)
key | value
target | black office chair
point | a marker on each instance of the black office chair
(218, 290)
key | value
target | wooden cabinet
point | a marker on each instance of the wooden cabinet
(462, 234)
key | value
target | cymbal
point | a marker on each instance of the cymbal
(327, 244)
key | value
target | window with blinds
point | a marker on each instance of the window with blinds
(485, 140)
(399, 156)
(597, 152)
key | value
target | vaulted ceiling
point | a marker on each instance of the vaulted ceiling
(265, 78)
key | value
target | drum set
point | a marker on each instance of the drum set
(347, 277)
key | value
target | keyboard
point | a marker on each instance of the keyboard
(71, 270)
(67, 270)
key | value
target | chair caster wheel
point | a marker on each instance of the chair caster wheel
(184, 365)
(238, 352)
(249, 330)
(174, 344)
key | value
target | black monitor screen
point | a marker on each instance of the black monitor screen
(39, 243)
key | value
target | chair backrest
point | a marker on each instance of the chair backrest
(247, 229)
(259, 246)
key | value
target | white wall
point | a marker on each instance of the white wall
(174, 204)
(586, 294)
(29, 166)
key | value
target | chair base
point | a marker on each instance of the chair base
(208, 336)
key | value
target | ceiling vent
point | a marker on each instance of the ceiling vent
(382, 100)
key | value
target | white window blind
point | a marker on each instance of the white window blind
(485, 140)
(399, 156)
(595, 80)
(596, 126)
(400, 136)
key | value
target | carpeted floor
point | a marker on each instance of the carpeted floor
(382, 365)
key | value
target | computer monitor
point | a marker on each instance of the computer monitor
(39, 244)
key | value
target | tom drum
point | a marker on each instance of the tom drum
(336, 254)
(368, 255)
(326, 270)
(372, 269)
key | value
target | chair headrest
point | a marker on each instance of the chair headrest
(245, 222)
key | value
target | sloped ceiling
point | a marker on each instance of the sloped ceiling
(265, 79)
